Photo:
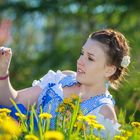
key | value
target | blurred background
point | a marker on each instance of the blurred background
(48, 34)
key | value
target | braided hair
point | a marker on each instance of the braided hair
(116, 47)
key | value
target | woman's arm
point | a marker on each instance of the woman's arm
(25, 96)
(28, 96)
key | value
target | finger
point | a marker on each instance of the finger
(8, 52)
(4, 50)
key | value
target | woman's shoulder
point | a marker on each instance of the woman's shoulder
(108, 112)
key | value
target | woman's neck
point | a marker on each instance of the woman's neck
(90, 91)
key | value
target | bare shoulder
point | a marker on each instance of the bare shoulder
(68, 72)
(108, 112)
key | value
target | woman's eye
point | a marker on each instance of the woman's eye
(91, 59)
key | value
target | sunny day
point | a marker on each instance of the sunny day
(69, 70)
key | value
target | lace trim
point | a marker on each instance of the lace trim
(68, 81)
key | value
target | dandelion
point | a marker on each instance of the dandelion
(53, 135)
(88, 120)
(5, 137)
(31, 137)
(67, 100)
(0, 121)
(61, 109)
(74, 96)
(126, 133)
(117, 137)
(98, 126)
(91, 122)
(91, 117)
(20, 115)
(81, 118)
(72, 105)
(76, 124)
(5, 110)
(45, 116)
(10, 126)
(135, 124)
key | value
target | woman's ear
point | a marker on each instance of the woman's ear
(110, 70)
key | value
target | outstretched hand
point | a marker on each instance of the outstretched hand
(5, 53)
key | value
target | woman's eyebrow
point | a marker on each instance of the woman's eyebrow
(91, 54)
(88, 52)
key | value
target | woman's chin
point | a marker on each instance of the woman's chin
(79, 79)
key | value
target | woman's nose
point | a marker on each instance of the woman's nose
(80, 60)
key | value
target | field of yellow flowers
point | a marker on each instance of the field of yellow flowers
(70, 124)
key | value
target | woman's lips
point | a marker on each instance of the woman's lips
(80, 71)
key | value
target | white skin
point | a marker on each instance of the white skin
(92, 72)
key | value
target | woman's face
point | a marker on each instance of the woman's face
(91, 63)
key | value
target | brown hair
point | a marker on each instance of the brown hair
(116, 48)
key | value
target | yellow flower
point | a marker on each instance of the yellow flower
(81, 118)
(91, 122)
(74, 96)
(126, 133)
(67, 100)
(31, 137)
(5, 110)
(91, 117)
(117, 137)
(88, 120)
(72, 105)
(136, 124)
(3, 115)
(45, 116)
(53, 135)
(0, 121)
(98, 126)
(5, 137)
(10, 126)
(78, 123)
(61, 109)
(20, 115)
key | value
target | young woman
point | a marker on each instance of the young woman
(103, 59)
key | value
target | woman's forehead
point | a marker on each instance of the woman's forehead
(94, 47)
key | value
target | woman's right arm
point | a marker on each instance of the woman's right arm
(26, 96)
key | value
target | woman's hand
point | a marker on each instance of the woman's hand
(5, 53)
(5, 59)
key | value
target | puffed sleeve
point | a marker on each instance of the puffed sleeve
(50, 77)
